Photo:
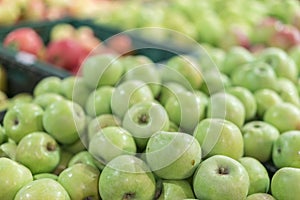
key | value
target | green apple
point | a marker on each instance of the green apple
(203, 103)
(50, 84)
(98, 102)
(258, 175)
(254, 76)
(3, 136)
(45, 188)
(259, 138)
(61, 31)
(219, 136)
(183, 70)
(111, 142)
(173, 127)
(98, 70)
(288, 91)
(286, 150)
(75, 147)
(22, 119)
(13, 176)
(75, 89)
(41, 148)
(169, 89)
(279, 60)
(10, 13)
(100, 122)
(284, 116)
(221, 177)
(64, 160)
(45, 99)
(64, 120)
(235, 57)
(146, 72)
(82, 157)
(175, 189)
(8, 150)
(45, 175)
(173, 155)
(285, 184)
(294, 53)
(260, 196)
(80, 181)
(144, 119)
(184, 110)
(226, 106)
(126, 177)
(23, 97)
(128, 93)
(265, 98)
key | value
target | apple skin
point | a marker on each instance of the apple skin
(176, 189)
(219, 174)
(82, 157)
(286, 150)
(247, 98)
(45, 175)
(50, 84)
(183, 70)
(64, 160)
(184, 110)
(13, 176)
(258, 175)
(131, 92)
(98, 102)
(219, 136)
(235, 57)
(22, 119)
(44, 100)
(173, 155)
(169, 89)
(41, 148)
(110, 142)
(10, 12)
(64, 120)
(75, 89)
(254, 76)
(284, 116)
(45, 188)
(288, 91)
(3, 136)
(285, 184)
(279, 60)
(8, 150)
(226, 106)
(101, 122)
(80, 181)
(76, 146)
(266, 98)
(294, 53)
(99, 70)
(61, 31)
(144, 119)
(259, 138)
(260, 196)
(126, 177)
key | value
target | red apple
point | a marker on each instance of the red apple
(66, 53)
(25, 39)
(121, 44)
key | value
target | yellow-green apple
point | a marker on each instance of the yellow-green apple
(80, 181)
(284, 116)
(144, 119)
(13, 177)
(45, 99)
(8, 149)
(219, 136)
(62, 31)
(288, 91)
(260, 196)
(259, 137)
(285, 184)
(82, 157)
(126, 177)
(258, 175)
(9, 13)
(110, 142)
(286, 150)
(64, 160)
(266, 98)
(224, 105)
(218, 175)
(99, 101)
(173, 155)
(173, 189)
(169, 89)
(22, 119)
(45, 188)
(76, 146)
(50, 84)
(131, 92)
(41, 148)
(45, 175)
(64, 120)
(3, 136)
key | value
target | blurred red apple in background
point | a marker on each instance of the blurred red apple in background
(25, 39)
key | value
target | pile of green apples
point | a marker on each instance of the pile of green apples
(190, 128)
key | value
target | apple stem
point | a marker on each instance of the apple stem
(143, 119)
(51, 146)
(129, 196)
(223, 171)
